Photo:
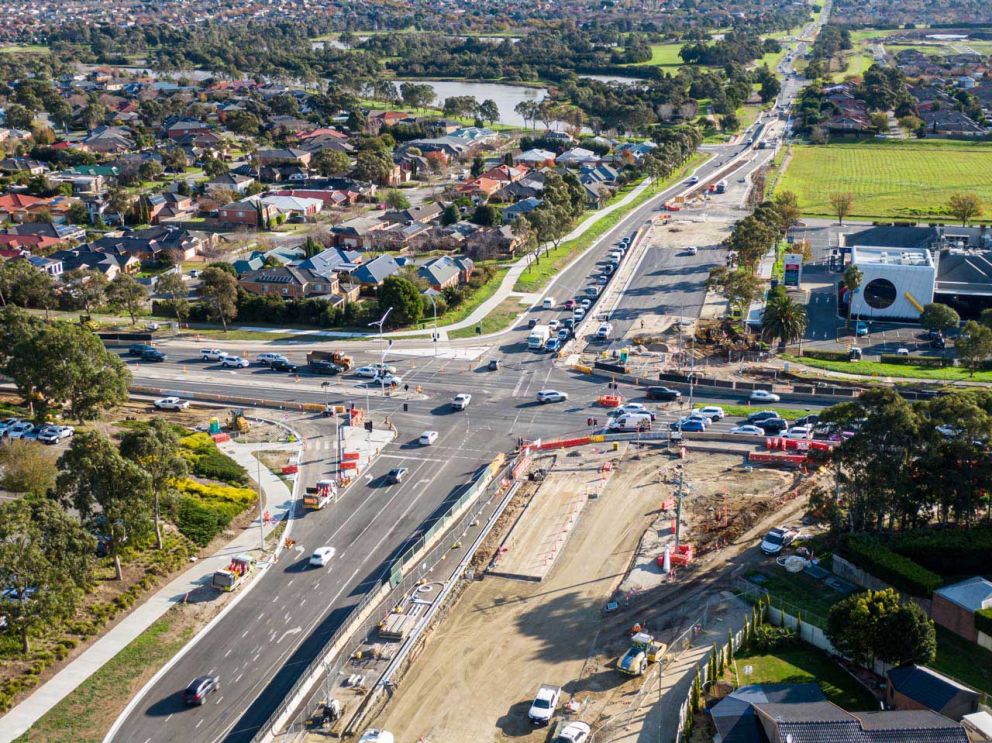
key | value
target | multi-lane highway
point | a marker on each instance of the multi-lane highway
(260, 646)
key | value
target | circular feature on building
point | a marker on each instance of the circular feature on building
(880, 293)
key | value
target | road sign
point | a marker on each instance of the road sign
(793, 269)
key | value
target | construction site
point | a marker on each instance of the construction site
(572, 585)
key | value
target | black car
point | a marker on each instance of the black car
(152, 354)
(938, 343)
(199, 687)
(761, 415)
(807, 420)
(531, 323)
(282, 365)
(327, 368)
(568, 322)
(664, 393)
(138, 349)
(772, 425)
(395, 476)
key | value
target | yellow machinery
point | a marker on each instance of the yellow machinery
(643, 650)
(237, 423)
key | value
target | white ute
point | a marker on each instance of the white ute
(461, 401)
(544, 705)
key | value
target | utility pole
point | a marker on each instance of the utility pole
(368, 400)
(679, 494)
(434, 335)
(261, 504)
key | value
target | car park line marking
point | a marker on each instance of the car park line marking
(238, 677)
(169, 717)
(219, 700)
(199, 723)
(244, 634)
(229, 651)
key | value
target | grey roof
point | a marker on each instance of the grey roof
(926, 686)
(377, 270)
(971, 594)
(894, 237)
(734, 715)
(333, 259)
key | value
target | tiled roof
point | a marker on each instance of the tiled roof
(926, 686)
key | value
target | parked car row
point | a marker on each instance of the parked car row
(15, 428)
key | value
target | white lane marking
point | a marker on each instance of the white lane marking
(199, 723)
(228, 652)
(219, 700)
(238, 677)
(294, 631)
(169, 717)
(302, 602)
(516, 389)
(244, 634)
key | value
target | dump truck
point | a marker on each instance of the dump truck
(334, 357)
(320, 495)
(237, 572)
(642, 651)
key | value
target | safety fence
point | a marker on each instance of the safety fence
(396, 579)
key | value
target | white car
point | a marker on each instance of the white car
(54, 434)
(211, 354)
(388, 380)
(631, 408)
(764, 396)
(573, 732)
(383, 368)
(268, 358)
(427, 438)
(747, 430)
(578, 313)
(7, 424)
(585, 303)
(22, 430)
(603, 331)
(799, 432)
(553, 325)
(376, 736)
(776, 539)
(545, 396)
(461, 401)
(171, 403)
(713, 412)
(321, 556)
(235, 362)
(691, 250)
(367, 372)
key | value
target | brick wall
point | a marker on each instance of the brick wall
(953, 617)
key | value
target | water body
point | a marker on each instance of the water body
(615, 79)
(506, 97)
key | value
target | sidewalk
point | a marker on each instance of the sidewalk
(278, 500)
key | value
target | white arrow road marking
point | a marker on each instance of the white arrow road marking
(294, 631)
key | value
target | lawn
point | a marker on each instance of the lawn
(505, 312)
(24, 49)
(797, 592)
(904, 179)
(85, 715)
(664, 55)
(963, 660)
(537, 275)
(903, 371)
(466, 308)
(789, 414)
(802, 665)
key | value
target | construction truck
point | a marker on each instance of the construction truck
(237, 572)
(237, 423)
(642, 651)
(314, 359)
(319, 496)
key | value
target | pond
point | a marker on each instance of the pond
(506, 97)
(614, 79)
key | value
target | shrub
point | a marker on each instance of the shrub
(207, 461)
(924, 362)
(947, 551)
(201, 520)
(983, 621)
(891, 567)
(826, 355)
(766, 638)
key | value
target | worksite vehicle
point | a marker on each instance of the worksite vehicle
(320, 495)
(314, 358)
(544, 705)
(539, 335)
(721, 186)
(237, 572)
(642, 651)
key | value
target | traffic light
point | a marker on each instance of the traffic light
(368, 426)
(478, 330)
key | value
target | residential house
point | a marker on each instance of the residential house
(284, 156)
(950, 122)
(289, 124)
(304, 207)
(252, 263)
(919, 687)
(109, 140)
(373, 273)
(178, 128)
(632, 152)
(329, 197)
(492, 242)
(14, 206)
(376, 120)
(332, 262)
(577, 157)
(555, 136)
(109, 264)
(31, 243)
(446, 271)
(250, 212)
(239, 184)
(51, 266)
(170, 206)
(157, 243)
(357, 233)
(11, 165)
(954, 606)
(519, 209)
(536, 159)
(601, 173)
(405, 237)
(481, 188)
(82, 184)
(421, 213)
(60, 232)
(289, 282)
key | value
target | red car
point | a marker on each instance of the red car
(569, 304)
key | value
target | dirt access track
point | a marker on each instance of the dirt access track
(477, 675)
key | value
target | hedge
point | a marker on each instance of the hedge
(983, 621)
(827, 355)
(947, 551)
(204, 511)
(891, 567)
(924, 362)
(209, 462)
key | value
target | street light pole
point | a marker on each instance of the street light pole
(434, 306)
(368, 400)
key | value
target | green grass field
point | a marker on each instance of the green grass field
(900, 371)
(664, 55)
(24, 49)
(905, 179)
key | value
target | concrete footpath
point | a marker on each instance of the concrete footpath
(278, 500)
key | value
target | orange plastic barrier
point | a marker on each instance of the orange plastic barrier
(290, 469)
(564, 443)
(349, 465)
(219, 437)
(610, 401)
(776, 458)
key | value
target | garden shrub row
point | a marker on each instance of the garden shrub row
(947, 551)
(816, 353)
(901, 572)
(207, 461)
(926, 362)
(204, 511)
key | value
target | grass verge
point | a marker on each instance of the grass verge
(743, 411)
(466, 308)
(504, 313)
(538, 274)
(85, 715)
(904, 371)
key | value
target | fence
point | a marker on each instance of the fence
(393, 580)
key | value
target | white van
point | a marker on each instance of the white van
(548, 303)
(631, 422)
(603, 332)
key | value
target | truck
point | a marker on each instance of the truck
(237, 572)
(539, 335)
(320, 495)
(544, 705)
(642, 651)
(721, 186)
(334, 357)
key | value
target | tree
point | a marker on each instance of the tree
(403, 296)
(108, 491)
(450, 215)
(487, 215)
(784, 319)
(173, 286)
(25, 286)
(86, 287)
(417, 95)
(150, 170)
(331, 162)
(156, 449)
(45, 561)
(64, 364)
(965, 207)
(397, 200)
(125, 293)
(373, 165)
(907, 635)
(26, 467)
(841, 204)
(19, 117)
(874, 624)
(489, 111)
(974, 345)
(751, 239)
(787, 206)
(219, 292)
(852, 282)
(939, 317)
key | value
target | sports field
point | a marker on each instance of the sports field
(906, 179)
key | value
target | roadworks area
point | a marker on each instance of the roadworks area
(476, 675)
